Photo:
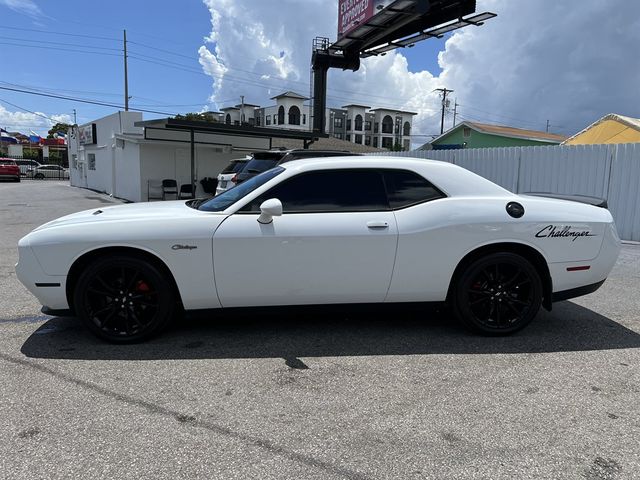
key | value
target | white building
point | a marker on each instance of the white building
(380, 127)
(127, 158)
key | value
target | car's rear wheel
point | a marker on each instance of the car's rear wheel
(498, 294)
(123, 299)
(39, 176)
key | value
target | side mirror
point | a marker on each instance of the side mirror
(269, 209)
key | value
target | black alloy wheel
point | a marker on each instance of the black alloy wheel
(124, 299)
(498, 294)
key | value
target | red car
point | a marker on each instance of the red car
(9, 169)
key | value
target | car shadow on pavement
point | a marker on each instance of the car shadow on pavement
(375, 331)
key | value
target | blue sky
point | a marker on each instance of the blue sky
(55, 63)
(213, 51)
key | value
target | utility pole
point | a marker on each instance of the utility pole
(126, 75)
(445, 92)
(548, 126)
(241, 109)
(75, 120)
(455, 111)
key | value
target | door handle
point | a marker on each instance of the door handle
(377, 225)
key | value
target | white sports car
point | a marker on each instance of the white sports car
(323, 231)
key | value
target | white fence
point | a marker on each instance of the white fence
(606, 171)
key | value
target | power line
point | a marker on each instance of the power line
(61, 49)
(92, 102)
(61, 43)
(60, 33)
(27, 110)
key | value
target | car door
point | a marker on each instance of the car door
(335, 243)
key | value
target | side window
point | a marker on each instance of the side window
(408, 188)
(328, 191)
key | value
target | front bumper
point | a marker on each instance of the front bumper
(50, 290)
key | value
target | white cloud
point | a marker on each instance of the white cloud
(28, 7)
(568, 62)
(23, 122)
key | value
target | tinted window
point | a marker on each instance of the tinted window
(231, 196)
(234, 167)
(257, 166)
(328, 191)
(407, 188)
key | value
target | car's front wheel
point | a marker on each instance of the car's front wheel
(498, 294)
(124, 299)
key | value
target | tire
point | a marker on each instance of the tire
(498, 294)
(123, 299)
(18, 179)
(39, 176)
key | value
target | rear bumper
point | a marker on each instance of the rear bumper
(576, 292)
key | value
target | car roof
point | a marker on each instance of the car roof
(452, 179)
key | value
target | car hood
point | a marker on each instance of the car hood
(129, 212)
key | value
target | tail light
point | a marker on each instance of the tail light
(234, 179)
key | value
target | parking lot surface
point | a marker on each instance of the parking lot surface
(395, 393)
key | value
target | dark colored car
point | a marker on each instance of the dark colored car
(9, 169)
(263, 161)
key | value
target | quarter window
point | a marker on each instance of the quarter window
(407, 188)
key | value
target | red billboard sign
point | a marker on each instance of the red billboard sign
(352, 13)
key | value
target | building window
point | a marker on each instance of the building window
(406, 145)
(359, 139)
(304, 118)
(375, 142)
(358, 123)
(387, 142)
(348, 137)
(275, 119)
(387, 124)
(376, 128)
(466, 132)
(367, 140)
(406, 130)
(338, 136)
(294, 115)
(227, 119)
(236, 122)
(348, 124)
(367, 125)
(337, 122)
(258, 121)
(281, 115)
(267, 120)
(91, 161)
(252, 121)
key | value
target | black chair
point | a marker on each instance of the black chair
(186, 191)
(169, 187)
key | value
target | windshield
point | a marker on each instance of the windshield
(231, 196)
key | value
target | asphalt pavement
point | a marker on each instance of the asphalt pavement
(385, 394)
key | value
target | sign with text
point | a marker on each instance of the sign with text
(352, 13)
(87, 134)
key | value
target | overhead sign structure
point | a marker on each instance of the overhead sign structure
(374, 27)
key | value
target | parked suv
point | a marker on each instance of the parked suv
(263, 161)
(9, 169)
(226, 177)
(26, 165)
